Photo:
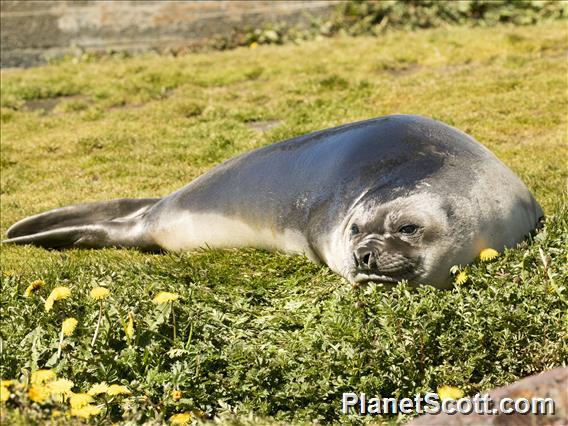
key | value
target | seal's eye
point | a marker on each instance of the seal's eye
(354, 229)
(408, 229)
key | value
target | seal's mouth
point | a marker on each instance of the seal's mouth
(364, 277)
(409, 272)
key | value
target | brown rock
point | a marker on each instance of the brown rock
(548, 384)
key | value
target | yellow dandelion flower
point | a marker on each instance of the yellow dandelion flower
(38, 393)
(98, 388)
(449, 392)
(118, 390)
(99, 293)
(176, 395)
(61, 387)
(461, 278)
(48, 304)
(68, 326)
(181, 418)
(165, 297)
(8, 383)
(129, 329)
(58, 293)
(42, 376)
(56, 413)
(79, 400)
(86, 411)
(488, 254)
(33, 287)
(253, 45)
(4, 393)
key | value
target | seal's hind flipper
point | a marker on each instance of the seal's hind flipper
(90, 236)
(81, 214)
(93, 225)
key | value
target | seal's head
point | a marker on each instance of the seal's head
(414, 238)
(423, 198)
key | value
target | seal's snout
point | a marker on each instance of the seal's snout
(365, 258)
(374, 260)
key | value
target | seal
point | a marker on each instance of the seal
(393, 198)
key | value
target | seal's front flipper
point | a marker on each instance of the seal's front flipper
(116, 223)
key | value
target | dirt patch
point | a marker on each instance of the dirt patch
(126, 106)
(404, 71)
(46, 105)
(264, 126)
(49, 104)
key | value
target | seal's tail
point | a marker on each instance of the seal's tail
(116, 223)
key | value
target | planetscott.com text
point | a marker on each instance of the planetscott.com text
(431, 403)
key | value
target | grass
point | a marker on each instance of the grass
(261, 334)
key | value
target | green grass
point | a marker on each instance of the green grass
(266, 334)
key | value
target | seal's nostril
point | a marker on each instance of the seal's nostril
(356, 259)
(365, 258)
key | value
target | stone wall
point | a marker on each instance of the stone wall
(34, 31)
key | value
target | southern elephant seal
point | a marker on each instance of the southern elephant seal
(391, 198)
